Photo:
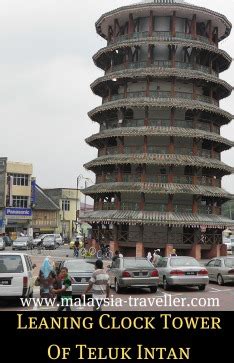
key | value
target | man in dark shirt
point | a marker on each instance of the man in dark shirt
(66, 290)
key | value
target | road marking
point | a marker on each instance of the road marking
(171, 294)
(221, 290)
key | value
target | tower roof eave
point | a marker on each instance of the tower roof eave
(157, 218)
(159, 159)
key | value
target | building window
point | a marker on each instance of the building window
(20, 202)
(20, 179)
(66, 205)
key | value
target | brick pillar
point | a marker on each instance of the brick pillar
(114, 246)
(140, 250)
(95, 244)
(168, 249)
(213, 252)
(196, 251)
(223, 250)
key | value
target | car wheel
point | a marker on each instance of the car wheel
(220, 280)
(118, 289)
(153, 289)
(166, 286)
(202, 287)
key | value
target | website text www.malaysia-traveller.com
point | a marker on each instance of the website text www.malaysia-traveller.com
(164, 301)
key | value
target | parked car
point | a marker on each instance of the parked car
(2, 244)
(41, 237)
(221, 270)
(8, 241)
(80, 272)
(16, 275)
(22, 243)
(133, 272)
(228, 243)
(50, 243)
(183, 271)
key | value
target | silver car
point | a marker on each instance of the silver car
(133, 272)
(221, 270)
(49, 243)
(2, 244)
(80, 272)
(22, 243)
(183, 271)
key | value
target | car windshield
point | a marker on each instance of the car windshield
(21, 239)
(41, 236)
(11, 264)
(79, 266)
(133, 263)
(1, 240)
(183, 261)
(229, 262)
(48, 238)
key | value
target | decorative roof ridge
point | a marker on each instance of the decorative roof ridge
(167, 159)
(179, 6)
(159, 130)
(180, 72)
(151, 40)
(150, 186)
(160, 102)
(160, 218)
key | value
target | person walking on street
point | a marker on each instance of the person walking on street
(173, 254)
(65, 292)
(149, 256)
(46, 278)
(100, 283)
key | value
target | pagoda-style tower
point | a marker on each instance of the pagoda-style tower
(159, 169)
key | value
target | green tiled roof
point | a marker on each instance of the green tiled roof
(159, 131)
(161, 72)
(142, 102)
(159, 218)
(159, 159)
(157, 188)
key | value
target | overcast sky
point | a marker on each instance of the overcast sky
(46, 69)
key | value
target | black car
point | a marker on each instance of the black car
(8, 241)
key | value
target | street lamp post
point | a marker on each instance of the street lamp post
(78, 179)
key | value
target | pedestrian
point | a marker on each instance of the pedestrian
(46, 278)
(117, 255)
(149, 256)
(173, 254)
(100, 283)
(65, 292)
(156, 257)
(76, 248)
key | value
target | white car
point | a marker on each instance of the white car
(16, 275)
(41, 237)
(2, 244)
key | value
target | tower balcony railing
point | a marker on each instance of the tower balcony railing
(160, 35)
(203, 124)
(162, 64)
(158, 207)
(153, 149)
(161, 94)
(159, 178)
(180, 208)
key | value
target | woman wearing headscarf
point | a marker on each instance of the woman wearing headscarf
(46, 278)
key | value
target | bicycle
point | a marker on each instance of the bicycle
(107, 254)
(90, 252)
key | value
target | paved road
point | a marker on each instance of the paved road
(215, 298)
